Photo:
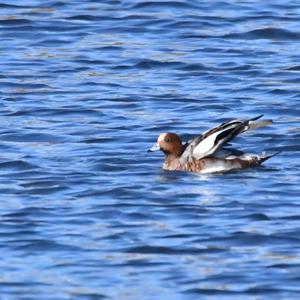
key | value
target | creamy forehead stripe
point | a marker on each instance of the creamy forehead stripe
(162, 137)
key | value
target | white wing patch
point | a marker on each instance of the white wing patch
(211, 141)
(205, 147)
(210, 144)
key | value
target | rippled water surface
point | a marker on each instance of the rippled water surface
(86, 87)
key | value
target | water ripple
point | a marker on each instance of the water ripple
(266, 33)
(86, 212)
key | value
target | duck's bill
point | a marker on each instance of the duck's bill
(154, 148)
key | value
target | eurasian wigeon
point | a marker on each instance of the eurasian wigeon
(205, 153)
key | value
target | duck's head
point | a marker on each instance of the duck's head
(169, 143)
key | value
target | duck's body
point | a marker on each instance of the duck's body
(205, 153)
(213, 164)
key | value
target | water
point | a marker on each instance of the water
(86, 87)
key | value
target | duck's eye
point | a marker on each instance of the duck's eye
(167, 140)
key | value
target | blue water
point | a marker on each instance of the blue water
(86, 87)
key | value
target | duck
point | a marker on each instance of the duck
(207, 153)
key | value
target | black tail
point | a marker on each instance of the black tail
(256, 118)
(265, 156)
